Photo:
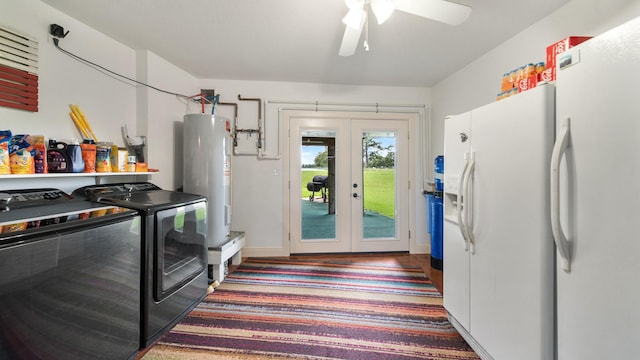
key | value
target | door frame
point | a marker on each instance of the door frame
(412, 123)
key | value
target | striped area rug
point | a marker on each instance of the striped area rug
(309, 309)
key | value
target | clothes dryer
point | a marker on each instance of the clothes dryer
(174, 255)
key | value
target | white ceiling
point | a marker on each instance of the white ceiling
(298, 40)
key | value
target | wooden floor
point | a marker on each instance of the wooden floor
(422, 260)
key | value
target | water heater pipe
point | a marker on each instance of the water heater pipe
(251, 131)
(235, 120)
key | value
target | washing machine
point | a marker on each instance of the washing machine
(174, 253)
(69, 277)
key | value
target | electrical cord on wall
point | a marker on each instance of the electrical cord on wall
(55, 42)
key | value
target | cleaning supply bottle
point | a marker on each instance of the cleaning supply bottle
(75, 155)
(57, 157)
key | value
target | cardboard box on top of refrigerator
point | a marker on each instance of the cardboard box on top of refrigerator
(528, 83)
(549, 74)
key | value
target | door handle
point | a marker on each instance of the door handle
(468, 201)
(560, 147)
(462, 202)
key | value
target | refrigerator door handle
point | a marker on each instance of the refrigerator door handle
(559, 148)
(468, 205)
(460, 206)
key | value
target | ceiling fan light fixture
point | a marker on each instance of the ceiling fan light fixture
(355, 18)
(354, 4)
(383, 9)
(444, 11)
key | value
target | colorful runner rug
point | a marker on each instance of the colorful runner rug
(292, 309)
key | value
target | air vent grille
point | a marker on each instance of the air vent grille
(18, 70)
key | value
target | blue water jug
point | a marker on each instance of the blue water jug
(428, 195)
(436, 231)
(439, 173)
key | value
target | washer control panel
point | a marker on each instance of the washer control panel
(31, 197)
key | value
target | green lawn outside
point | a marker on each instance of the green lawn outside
(378, 184)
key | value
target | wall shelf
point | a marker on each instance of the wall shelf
(95, 174)
(98, 176)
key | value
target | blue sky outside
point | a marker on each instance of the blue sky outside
(309, 152)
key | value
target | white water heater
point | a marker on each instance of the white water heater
(207, 170)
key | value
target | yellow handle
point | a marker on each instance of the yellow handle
(81, 128)
(83, 120)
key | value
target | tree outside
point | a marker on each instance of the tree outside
(322, 159)
(375, 155)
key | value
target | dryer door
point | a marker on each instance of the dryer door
(180, 255)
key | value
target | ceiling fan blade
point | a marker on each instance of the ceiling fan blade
(350, 41)
(439, 10)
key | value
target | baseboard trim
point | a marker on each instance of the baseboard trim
(264, 252)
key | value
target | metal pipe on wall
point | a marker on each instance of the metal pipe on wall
(418, 109)
(259, 130)
(235, 119)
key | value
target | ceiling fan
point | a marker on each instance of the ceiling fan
(357, 17)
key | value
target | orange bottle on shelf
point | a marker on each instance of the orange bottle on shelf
(539, 69)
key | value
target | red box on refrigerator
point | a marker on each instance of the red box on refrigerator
(528, 83)
(558, 48)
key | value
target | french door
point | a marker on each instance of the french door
(348, 183)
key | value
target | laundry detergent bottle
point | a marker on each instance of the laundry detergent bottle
(57, 157)
(75, 155)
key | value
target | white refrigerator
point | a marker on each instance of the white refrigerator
(541, 249)
(595, 177)
(498, 248)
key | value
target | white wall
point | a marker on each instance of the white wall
(479, 82)
(107, 101)
(258, 185)
(160, 116)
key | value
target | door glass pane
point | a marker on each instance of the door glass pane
(379, 184)
(317, 176)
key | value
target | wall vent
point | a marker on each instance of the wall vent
(18, 70)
